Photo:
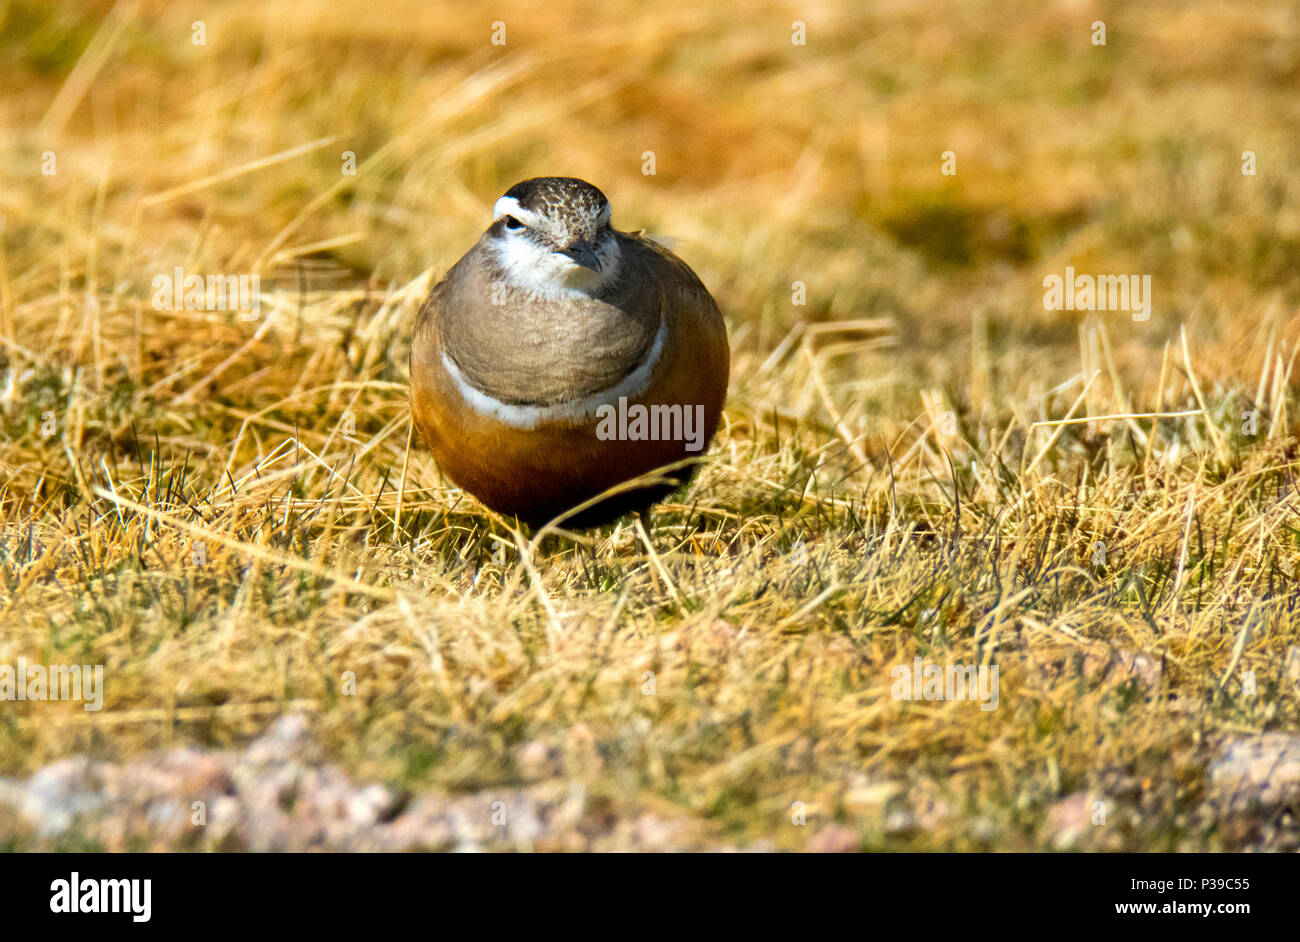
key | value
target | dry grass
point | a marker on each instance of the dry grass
(226, 514)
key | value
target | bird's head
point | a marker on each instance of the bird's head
(551, 237)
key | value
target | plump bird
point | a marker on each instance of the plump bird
(561, 357)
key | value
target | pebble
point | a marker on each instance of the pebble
(278, 794)
(1258, 773)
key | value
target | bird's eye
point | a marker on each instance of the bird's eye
(513, 223)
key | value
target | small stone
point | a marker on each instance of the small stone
(60, 793)
(525, 825)
(835, 839)
(198, 773)
(1069, 821)
(288, 738)
(538, 760)
(1255, 773)
(900, 821)
(370, 805)
(984, 830)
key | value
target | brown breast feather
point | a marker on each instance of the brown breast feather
(536, 351)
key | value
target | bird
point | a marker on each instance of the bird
(561, 357)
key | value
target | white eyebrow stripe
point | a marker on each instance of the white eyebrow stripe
(509, 206)
(575, 410)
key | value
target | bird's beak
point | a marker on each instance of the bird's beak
(584, 253)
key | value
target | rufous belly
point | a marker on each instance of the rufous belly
(538, 473)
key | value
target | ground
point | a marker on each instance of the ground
(919, 459)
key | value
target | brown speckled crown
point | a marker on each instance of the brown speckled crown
(572, 204)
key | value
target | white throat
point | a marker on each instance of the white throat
(541, 273)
